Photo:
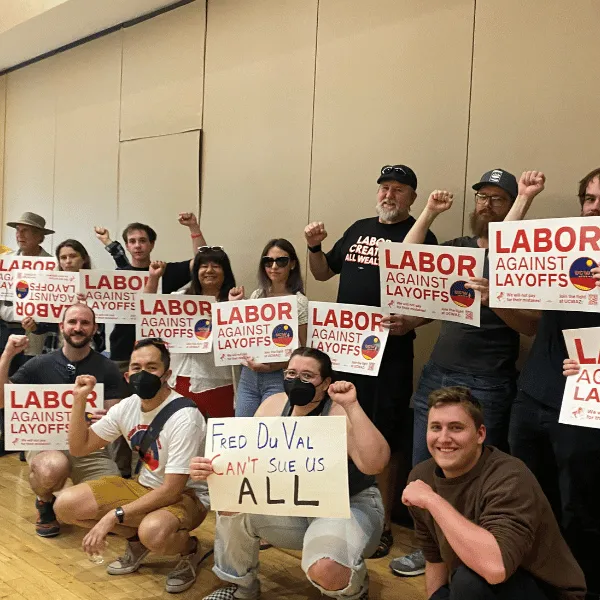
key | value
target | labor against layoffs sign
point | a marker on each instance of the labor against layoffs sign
(184, 322)
(429, 281)
(581, 399)
(545, 264)
(112, 294)
(265, 330)
(9, 265)
(36, 417)
(293, 466)
(351, 335)
(44, 295)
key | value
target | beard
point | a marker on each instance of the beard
(81, 343)
(480, 223)
(389, 215)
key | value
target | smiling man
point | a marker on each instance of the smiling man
(485, 526)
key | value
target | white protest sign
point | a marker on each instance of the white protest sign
(294, 466)
(265, 329)
(184, 322)
(13, 263)
(429, 281)
(44, 295)
(545, 264)
(350, 334)
(112, 294)
(581, 400)
(36, 417)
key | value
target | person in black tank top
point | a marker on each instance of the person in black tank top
(333, 550)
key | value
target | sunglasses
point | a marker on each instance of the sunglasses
(211, 249)
(393, 169)
(280, 261)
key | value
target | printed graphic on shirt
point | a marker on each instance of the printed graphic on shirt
(365, 250)
(151, 458)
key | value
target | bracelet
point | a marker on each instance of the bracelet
(196, 235)
(315, 249)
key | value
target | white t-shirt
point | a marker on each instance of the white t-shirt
(182, 437)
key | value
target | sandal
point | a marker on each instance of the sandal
(385, 543)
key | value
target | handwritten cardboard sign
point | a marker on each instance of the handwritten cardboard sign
(350, 334)
(112, 294)
(430, 281)
(36, 417)
(10, 264)
(184, 322)
(294, 466)
(265, 329)
(44, 295)
(581, 399)
(545, 264)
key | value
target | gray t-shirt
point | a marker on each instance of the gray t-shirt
(491, 349)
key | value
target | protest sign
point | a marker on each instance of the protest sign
(429, 281)
(581, 399)
(184, 322)
(294, 466)
(265, 330)
(10, 264)
(545, 264)
(350, 334)
(112, 294)
(36, 417)
(44, 295)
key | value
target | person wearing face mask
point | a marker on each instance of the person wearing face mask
(333, 550)
(158, 509)
(278, 275)
(193, 375)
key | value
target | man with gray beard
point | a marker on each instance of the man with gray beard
(354, 257)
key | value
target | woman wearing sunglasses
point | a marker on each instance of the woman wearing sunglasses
(195, 375)
(278, 275)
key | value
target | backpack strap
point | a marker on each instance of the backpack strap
(151, 434)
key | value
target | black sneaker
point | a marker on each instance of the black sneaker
(46, 524)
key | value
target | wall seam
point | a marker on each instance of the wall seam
(4, 155)
(119, 133)
(201, 136)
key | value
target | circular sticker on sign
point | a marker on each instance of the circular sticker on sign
(461, 296)
(202, 328)
(371, 347)
(22, 289)
(580, 274)
(282, 335)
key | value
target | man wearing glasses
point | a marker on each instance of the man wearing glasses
(354, 257)
(50, 469)
(480, 358)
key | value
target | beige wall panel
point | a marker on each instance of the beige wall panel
(14, 12)
(2, 124)
(163, 73)
(158, 179)
(29, 147)
(392, 87)
(257, 126)
(87, 143)
(535, 95)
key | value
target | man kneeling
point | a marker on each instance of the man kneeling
(486, 528)
(333, 550)
(156, 511)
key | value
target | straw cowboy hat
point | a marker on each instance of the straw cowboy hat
(33, 220)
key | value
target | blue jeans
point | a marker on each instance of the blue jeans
(254, 388)
(496, 395)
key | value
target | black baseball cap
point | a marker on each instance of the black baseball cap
(399, 173)
(502, 179)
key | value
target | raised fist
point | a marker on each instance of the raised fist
(236, 293)
(439, 201)
(103, 235)
(188, 219)
(16, 344)
(84, 385)
(315, 233)
(342, 393)
(531, 184)
(157, 268)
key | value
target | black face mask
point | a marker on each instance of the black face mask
(298, 392)
(146, 385)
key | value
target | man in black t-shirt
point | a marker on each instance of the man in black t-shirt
(564, 458)
(354, 257)
(51, 468)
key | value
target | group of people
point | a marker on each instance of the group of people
(502, 495)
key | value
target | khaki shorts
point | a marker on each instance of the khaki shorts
(111, 492)
(84, 468)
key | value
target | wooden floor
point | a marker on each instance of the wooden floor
(32, 568)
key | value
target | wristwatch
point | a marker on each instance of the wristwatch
(315, 249)
(120, 513)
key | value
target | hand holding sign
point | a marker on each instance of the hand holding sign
(16, 344)
(257, 367)
(397, 324)
(439, 201)
(342, 393)
(315, 233)
(531, 184)
(28, 324)
(570, 367)
(201, 468)
(482, 285)
(596, 275)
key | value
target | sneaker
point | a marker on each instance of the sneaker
(409, 565)
(46, 525)
(385, 543)
(228, 593)
(183, 576)
(130, 562)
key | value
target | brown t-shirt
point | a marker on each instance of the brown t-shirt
(501, 495)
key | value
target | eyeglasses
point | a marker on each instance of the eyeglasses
(393, 168)
(211, 249)
(495, 201)
(305, 376)
(280, 261)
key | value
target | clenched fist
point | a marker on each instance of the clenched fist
(84, 386)
(342, 393)
(315, 233)
(439, 201)
(188, 219)
(103, 235)
(157, 269)
(200, 468)
(531, 184)
(16, 344)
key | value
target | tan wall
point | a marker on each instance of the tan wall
(14, 12)
(2, 124)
